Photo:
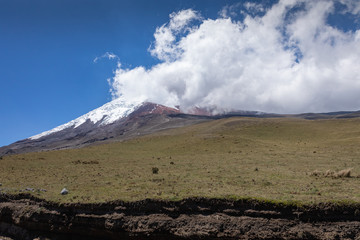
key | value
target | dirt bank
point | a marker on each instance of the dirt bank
(26, 217)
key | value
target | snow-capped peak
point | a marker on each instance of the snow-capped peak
(108, 113)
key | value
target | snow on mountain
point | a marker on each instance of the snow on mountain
(120, 108)
(106, 114)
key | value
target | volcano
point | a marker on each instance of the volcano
(121, 120)
(116, 120)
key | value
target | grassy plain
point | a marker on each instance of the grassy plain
(228, 158)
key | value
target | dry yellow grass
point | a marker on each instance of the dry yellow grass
(328, 173)
(227, 158)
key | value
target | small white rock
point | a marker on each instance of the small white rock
(64, 191)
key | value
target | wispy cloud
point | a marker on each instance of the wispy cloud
(351, 6)
(287, 59)
(107, 55)
(242, 8)
(231, 10)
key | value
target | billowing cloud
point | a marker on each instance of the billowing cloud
(165, 47)
(286, 60)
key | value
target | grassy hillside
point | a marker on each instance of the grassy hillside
(278, 159)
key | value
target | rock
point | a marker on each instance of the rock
(64, 191)
(0, 184)
(29, 189)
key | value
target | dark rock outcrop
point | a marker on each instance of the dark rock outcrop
(26, 217)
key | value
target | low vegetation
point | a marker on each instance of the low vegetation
(340, 174)
(277, 159)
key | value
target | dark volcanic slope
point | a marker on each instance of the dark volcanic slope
(148, 118)
(25, 217)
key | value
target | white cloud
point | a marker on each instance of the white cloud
(241, 8)
(352, 6)
(165, 47)
(108, 55)
(264, 63)
(230, 10)
(251, 6)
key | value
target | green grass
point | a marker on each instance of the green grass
(229, 158)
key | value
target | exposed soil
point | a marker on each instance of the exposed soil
(26, 217)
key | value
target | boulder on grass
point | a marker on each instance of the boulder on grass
(64, 191)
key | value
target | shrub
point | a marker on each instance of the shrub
(343, 173)
(340, 174)
(85, 162)
(316, 173)
(329, 173)
(155, 170)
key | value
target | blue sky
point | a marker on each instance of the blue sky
(47, 49)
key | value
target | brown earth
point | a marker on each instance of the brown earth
(27, 217)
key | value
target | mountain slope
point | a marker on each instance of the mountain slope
(120, 120)
(115, 120)
(104, 115)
